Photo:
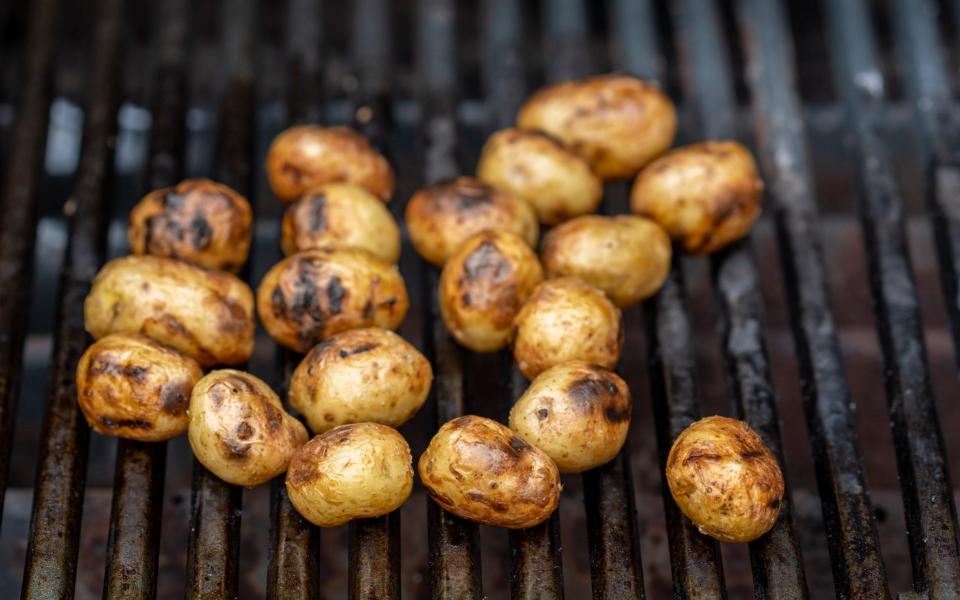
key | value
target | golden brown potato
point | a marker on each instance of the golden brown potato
(314, 294)
(706, 195)
(725, 479)
(340, 215)
(442, 216)
(198, 220)
(577, 413)
(478, 469)
(529, 164)
(618, 123)
(482, 287)
(239, 430)
(626, 256)
(133, 387)
(307, 156)
(360, 375)
(355, 471)
(203, 313)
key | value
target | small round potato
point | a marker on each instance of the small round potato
(529, 164)
(478, 469)
(706, 195)
(566, 319)
(357, 471)
(133, 387)
(442, 216)
(198, 220)
(360, 375)
(626, 256)
(483, 286)
(618, 123)
(314, 294)
(577, 413)
(308, 156)
(204, 313)
(340, 215)
(725, 479)
(239, 430)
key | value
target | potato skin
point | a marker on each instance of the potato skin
(555, 181)
(239, 430)
(353, 471)
(617, 123)
(626, 256)
(132, 387)
(725, 479)
(203, 313)
(578, 414)
(442, 216)
(706, 195)
(314, 294)
(361, 375)
(479, 470)
(340, 215)
(308, 156)
(482, 287)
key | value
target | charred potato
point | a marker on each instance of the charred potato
(725, 479)
(203, 313)
(314, 294)
(706, 195)
(135, 388)
(483, 286)
(555, 181)
(239, 430)
(442, 216)
(479, 470)
(350, 472)
(627, 257)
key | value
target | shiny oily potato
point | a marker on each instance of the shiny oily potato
(555, 181)
(626, 256)
(577, 413)
(360, 375)
(725, 479)
(198, 220)
(442, 216)
(617, 123)
(479, 470)
(239, 430)
(482, 287)
(314, 294)
(354, 471)
(706, 195)
(203, 313)
(308, 156)
(133, 387)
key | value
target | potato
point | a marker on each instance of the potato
(239, 430)
(314, 294)
(626, 256)
(133, 387)
(555, 181)
(340, 215)
(360, 375)
(616, 122)
(350, 472)
(578, 414)
(725, 479)
(308, 156)
(198, 220)
(478, 469)
(203, 313)
(482, 287)
(442, 216)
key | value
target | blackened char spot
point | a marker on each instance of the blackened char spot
(775, 503)
(278, 301)
(363, 348)
(273, 417)
(201, 232)
(239, 383)
(486, 262)
(499, 507)
(469, 194)
(519, 444)
(698, 456)
(244, 431)
(751, 454)
(615, 415)
(587, 391)
(368, 310)
(233, 449)
(130, 423)
(173, 398)
(542, 413)
(315, 210)
(335, 295)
